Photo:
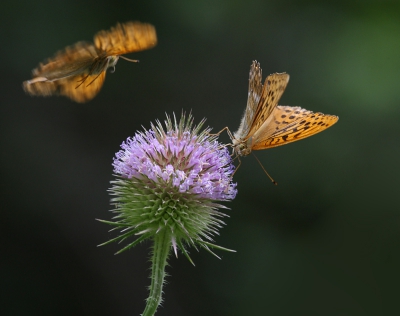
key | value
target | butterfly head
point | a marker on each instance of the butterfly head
(102, 63)
(240, 147)
(112, 61)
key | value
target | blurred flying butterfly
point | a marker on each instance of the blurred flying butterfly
(78, 71)
(266, 124)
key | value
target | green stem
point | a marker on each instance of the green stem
(161, 249)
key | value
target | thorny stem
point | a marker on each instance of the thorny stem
(161, 250)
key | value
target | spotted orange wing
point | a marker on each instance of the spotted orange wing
(253, 98)
(126, 38)
(273, 88)
(289, 124)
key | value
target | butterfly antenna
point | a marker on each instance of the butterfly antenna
(273, 181)
(128, 59)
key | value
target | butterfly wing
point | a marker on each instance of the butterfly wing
(80, 88)
(273, 88)
(254, 95)
(126, 38)
(61, 74)
(71, 61)
(289, 124)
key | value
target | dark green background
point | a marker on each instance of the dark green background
(325, 241)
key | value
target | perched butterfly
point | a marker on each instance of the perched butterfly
(78, 71)
(266, 124)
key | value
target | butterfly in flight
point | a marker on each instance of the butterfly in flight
(78, 71)
(266, 124)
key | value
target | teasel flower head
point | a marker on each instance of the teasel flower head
(169, 182)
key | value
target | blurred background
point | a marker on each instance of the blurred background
(325, 241)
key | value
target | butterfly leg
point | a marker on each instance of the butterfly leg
(229, 134)
(93, 80)
(226, 128)
(236, 169)
(97, 66)
(228, 131)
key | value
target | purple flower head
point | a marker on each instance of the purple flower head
(180, 160)
(168, 180)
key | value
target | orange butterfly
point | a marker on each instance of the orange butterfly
(78, 71)
(266, 124)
